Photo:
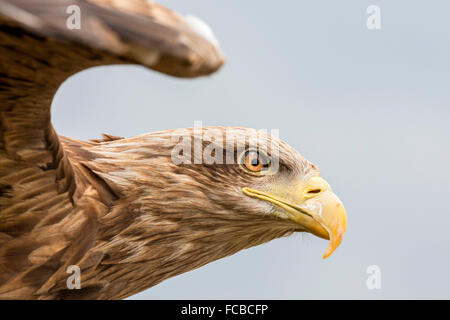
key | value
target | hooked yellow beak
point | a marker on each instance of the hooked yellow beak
(313, 206)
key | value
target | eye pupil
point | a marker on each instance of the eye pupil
(255, 161)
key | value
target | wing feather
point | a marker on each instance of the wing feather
(49, 202)
(136, 31)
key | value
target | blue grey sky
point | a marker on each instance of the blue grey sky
(371, 108)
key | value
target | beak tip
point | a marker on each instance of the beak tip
(334, 244)
(327, 253)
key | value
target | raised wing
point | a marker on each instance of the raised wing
(134, 31)
(49, 203)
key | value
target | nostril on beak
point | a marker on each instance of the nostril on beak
(314, 191)
(314, 187)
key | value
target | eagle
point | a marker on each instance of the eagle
(129, 213)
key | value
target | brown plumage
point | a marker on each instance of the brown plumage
(120, 208)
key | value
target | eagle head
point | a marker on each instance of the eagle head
(206, 193)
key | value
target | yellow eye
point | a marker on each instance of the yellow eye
(255, 162)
